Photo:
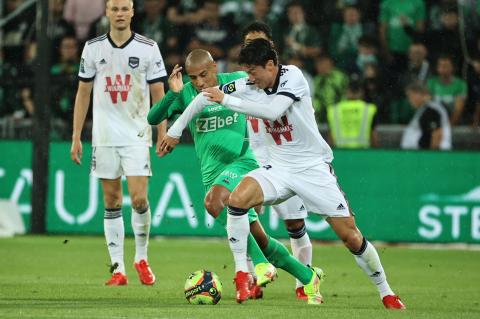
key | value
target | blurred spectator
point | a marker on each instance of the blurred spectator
(375, 91)
(64, 80)
(343, 40)
(448, 89)
(435, 9)
(58, 27)
(429, 127)
(367, 54)
(18, 31)
(10, 99)
(395, 15)
(82, 15)
(447, 39)
(261, 11)
(418, 70)
(26, 87)
(330, 84)
(153, 23)
(185, 12)
(475, 91)
(215, 34)
(301, 39)
(352, 121)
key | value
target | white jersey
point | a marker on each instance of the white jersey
(121, 94)
(293, 140)
(256, 138)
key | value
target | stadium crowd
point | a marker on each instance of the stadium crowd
(383, 45)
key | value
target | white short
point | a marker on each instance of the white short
(292, 208)
(111, 162)
(316, 186)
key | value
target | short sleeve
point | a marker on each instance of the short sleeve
(156, 69)
(87, 69)
(292, 83)
(235, 88)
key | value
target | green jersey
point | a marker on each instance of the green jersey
(220, 135)
(391, 13)
(447, 93)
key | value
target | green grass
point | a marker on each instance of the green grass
(43, 277)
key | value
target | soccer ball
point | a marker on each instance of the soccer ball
(203, 287)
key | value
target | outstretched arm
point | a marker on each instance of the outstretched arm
(195, 107)
(270, 111)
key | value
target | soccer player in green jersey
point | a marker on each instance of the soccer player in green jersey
(225, 157)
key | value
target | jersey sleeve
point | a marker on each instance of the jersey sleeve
(87, 69)
(235, 88)
(164, 108)
(156, 69)
(292, 84)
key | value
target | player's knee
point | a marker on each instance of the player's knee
(140, 203)
(238, 199)
(113, 201)
(213, 207)
(353, 240)
(294, 225)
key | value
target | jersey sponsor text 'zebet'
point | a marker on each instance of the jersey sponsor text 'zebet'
(121, 95)
(293, 139)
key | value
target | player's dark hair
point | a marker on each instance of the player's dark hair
(258, 52)
(257, 26)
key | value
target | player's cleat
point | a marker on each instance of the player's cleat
(312, 289)
(118, 279)
(300, 294)
(393, 302)
(256, 292)
(145, 273)
(242, 280)
(266, 273)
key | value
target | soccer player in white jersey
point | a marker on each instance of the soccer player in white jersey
(291, 211)
(300, 159)
(123, 69)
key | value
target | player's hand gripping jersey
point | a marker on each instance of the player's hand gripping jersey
(291, 135)
(121, 95)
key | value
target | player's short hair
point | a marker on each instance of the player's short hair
(198, 57)
(257, 26)
(106, 3)
(258, 52)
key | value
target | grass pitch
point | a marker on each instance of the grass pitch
(62, 277)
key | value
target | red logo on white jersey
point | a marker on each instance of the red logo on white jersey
(253, 123)
(120, 86)
(278, 129)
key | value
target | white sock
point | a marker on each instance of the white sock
(141, 230)
(367, 258)
(251, 267)
(302, 250)
(115, 236)
(238, 229)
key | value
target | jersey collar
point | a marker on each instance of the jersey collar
(277, 81)
(123, 45)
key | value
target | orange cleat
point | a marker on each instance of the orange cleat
(393, 302)
(300, 294)
(145, 274)
(256, 292)
(118, 279)
(242, 280)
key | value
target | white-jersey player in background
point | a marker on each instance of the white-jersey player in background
(123, 69)
(300, 159)
(291, 211)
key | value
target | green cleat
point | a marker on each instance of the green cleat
(266, 273)
(312, 289)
